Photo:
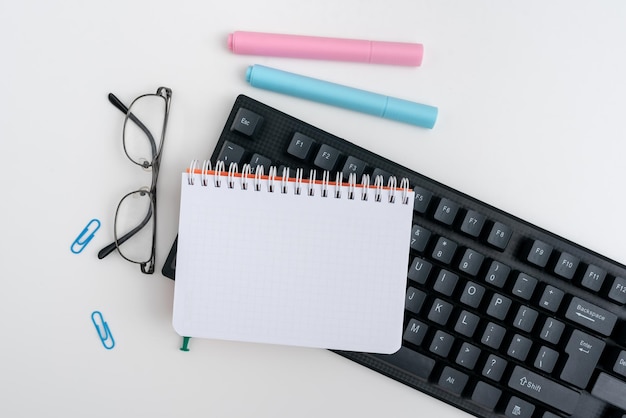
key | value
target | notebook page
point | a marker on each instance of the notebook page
(291, 269)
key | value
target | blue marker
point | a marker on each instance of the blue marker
(342, 96)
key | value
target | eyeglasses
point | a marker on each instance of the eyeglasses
(135, 216)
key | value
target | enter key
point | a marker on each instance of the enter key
(584, 351)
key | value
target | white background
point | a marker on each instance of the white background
(532, 104)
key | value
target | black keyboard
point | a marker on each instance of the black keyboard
(502, 318)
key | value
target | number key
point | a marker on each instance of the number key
(444, 250)
(419, 238)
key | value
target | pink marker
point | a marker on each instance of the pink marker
(315, 47)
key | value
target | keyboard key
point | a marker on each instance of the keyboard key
(494, 367)
(499, 236)
(453, 380)
(410, 361)
(544, 390)
(593, 278)
(591, 316)
(441, 344)
(446, 282)
(499, 306)
(326, 158)
(246, 122)
(566, 266)
(524, 286)
(259, 160)
(472, 294)
(497, 274)
(518, 408)
(444, 250)
(611, 390)
(440, 312)
(620, 364)
(493, 335)
(468, 356)
(466, 324)
(414, 300)
(353, 166)
(486, 395)
(539, 253)
(419, 238)
(525, 318)
(546, 359)
(551, 298)
(378, 172)
(419, 270)
(415, 332)
(473, 223)
(300, 146)
(471, 262)
(519, 347)
(584, 352)
(446, 211)
(231, 153)
(618, 290)
(552, 331)
(422, 199)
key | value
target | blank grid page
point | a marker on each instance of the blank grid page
(291, 269)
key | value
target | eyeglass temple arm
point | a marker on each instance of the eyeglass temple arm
(117, 103)
(112, 246)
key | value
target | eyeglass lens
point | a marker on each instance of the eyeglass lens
(143, 129)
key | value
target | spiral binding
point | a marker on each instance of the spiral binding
(275, 184)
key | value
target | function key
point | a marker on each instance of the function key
(618, 291)
(378, 172)
(499, 236)
(246, 122)
(353, 165)
(422, 199)
(566, 266)
(446, 211)
(593, 278)
(326, 157)
(230, 153)
(539, 253)
(259, 160)
(473, 223)
(300, 146)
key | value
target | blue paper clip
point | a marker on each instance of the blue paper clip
(103, 330)
(85, 236)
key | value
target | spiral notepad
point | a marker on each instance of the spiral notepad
(307, 262)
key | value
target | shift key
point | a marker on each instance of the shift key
(544, 390)
(591, 316)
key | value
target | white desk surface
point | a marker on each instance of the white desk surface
(532, 108)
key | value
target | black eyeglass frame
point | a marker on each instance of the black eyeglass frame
(147, 266)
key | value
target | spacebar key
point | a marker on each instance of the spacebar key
(410, 361)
